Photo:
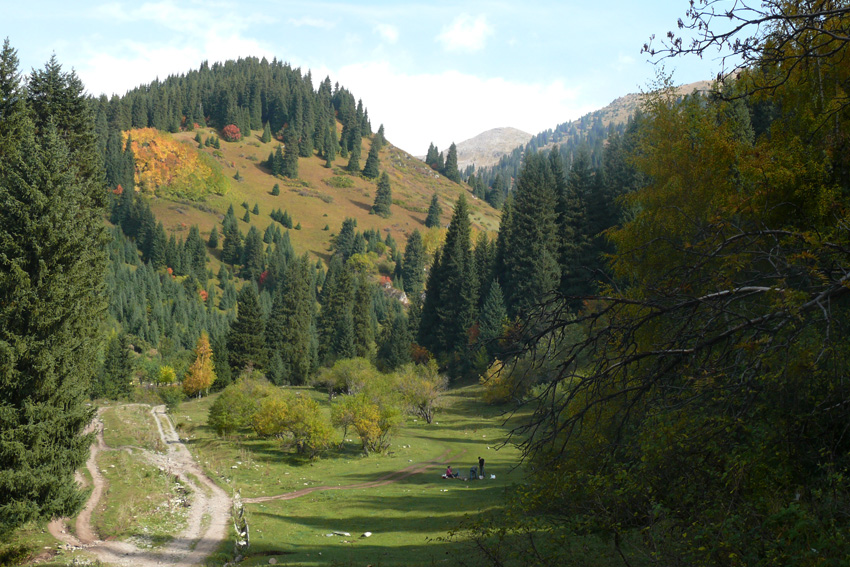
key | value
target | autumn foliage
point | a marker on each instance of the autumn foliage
(231, 133)
(167, 167)
(201, 374)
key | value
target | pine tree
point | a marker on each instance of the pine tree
(431, 156)
(530, 259)
(450, 169)
(394, 344)
(435, 211)
(275, 190)
(380, 137)
(201, 374)
(413, 270)
(267, 134)
(371, 168)
(246, 344)
(383, 197)
(290, 157)
(354, 161)
(362, 318)
(253, 257)
(493, 318)
(115, 377)
(256, 209)
(52, 291)
(231, 250)
(213, 241)
(335, 323)
(288, 333)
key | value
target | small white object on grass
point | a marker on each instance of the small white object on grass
(367, 534)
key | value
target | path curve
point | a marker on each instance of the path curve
(189, 547)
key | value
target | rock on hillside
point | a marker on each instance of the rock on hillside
(486, 148)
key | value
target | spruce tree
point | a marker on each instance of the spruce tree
(267, 134)
(383, 197)
(450, 169)
(289, 166)
(413, 270)
(394, 344)
(335, 323)
(246, 344)
(213, 240)
(52, 271)
(493, 318)
(354, 161)
(253, 256)
(431, 156)
(362, 318)
(531, 248)
(276, 190)
(115, 377)
(290, 329)
(435, 211)
(371, 168)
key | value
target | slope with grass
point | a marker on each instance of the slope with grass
(320, 196)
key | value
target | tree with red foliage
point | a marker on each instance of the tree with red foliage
(231, 133)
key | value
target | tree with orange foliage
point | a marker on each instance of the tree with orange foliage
(201, 374)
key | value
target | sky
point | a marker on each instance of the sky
(434, 71)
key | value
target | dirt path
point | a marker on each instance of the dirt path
(387, 479)
(207, 523)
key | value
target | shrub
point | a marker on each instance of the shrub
(231, 133)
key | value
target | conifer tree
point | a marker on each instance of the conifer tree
(51, 291)
(450, 308)
(290, 157)
(213, 240)
(247, 217)
(231, 250)
(362, 317)
(450, 169)
(493, 318)
(246, 344)
(201, 374)
(381, 139)
(531, 268)
(253, 258)
(267, 134)
(413, 270)
(354, 161)
(431, 156)
(115, 376)
(290, 329)
(394, 344)
(435, 211)
(275, 190)
(373, 162)
(383, 197)
(335, 323)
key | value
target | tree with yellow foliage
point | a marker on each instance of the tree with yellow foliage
(201, 374)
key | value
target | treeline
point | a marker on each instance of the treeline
(586, 136)
(550, 241)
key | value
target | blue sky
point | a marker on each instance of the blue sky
(430, 72)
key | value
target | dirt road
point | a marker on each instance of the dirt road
(189, 547)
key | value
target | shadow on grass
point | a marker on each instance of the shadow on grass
(365, 206)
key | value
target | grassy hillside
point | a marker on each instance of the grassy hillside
(320, 197)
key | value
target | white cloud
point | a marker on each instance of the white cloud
(309, 22)
(465, 33)
(452, 106)
(388, 32)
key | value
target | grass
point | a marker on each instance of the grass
(130, 426)
(406, 517)
(142, 502)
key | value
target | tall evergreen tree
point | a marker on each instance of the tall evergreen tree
(246, 343)
(493, 318)
(431, 156)
(354, 160)
(435, 211)
(51, 292)
(290, 156)
(413, 270)
(531, 268)
(371, 168)
(253, 256)
(450, 169)
(383, 197)
(291, 324)
(394, 344)
(362, 319)
(335, 323)
(115, 377)
(267, 134)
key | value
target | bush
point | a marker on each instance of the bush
(171, 396)
(340, 182)
(231, 133)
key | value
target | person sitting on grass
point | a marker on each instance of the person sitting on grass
(450, 473)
